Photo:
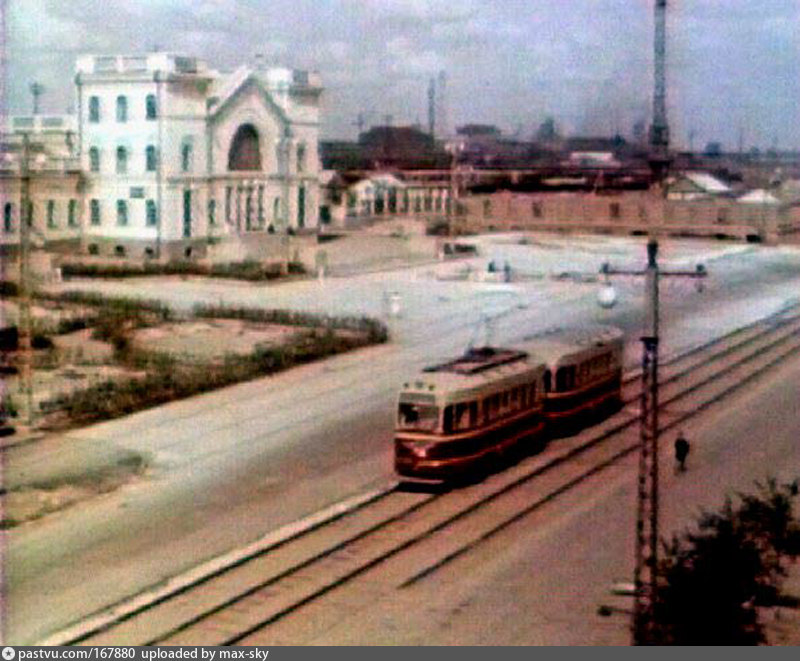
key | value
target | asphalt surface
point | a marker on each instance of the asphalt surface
(541, 581)
(228, 466)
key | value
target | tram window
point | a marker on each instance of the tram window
(448, 420)
(532, 394)
(565, 378)
(547, 379)
(515, 398)
(505, 401)
(461, 420)
(487, 411)
(416, 416)
(473, 414)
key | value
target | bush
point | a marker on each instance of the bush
(167, 379)
(8, 289)
(250, 270)
(712, 579)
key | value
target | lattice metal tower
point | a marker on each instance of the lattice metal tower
(659, 129)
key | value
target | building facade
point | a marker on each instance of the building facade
(628, 212)
(173, 156)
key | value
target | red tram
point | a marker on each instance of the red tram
(461, 416)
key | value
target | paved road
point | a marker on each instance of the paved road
(541, 581)
(228, 466)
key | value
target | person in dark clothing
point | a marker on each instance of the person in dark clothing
(681, 451)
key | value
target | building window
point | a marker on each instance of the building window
(122, 160)
(122, 109)
(94, 109)
(72, 213)
(245, 153)
(51, 214)
(187, 214)
(301, 158)
(122, 212)
(301, 207)
(212, 212)
(614, 210)
(537, 210)
(487, 208)
(151, 213)
(228, 205)
(29, 213)
(276, 209)
(94, 210)
(94, 159)
(186, 157)
(150, 158)
(150, 106)
(261, 206)
(248, 208)
(8, 217)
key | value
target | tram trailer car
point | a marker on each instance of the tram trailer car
(463, 416)
(583, 380)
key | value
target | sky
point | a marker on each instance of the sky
(733, 65)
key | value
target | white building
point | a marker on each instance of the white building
(55, 181)
(174, 155)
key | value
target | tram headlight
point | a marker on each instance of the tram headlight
(420, 451)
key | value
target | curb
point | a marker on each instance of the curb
(129, 606)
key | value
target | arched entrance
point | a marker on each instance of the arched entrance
(244, 153)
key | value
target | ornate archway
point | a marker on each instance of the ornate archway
(245, 153)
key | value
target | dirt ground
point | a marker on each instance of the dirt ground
(213, 338)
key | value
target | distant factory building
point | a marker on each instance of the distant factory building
(754, 217)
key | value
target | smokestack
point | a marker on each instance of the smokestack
(432, 108)
(442, 117)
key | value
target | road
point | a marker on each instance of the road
(541, 581)
(228, 466)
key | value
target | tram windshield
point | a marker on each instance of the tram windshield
(421, 417)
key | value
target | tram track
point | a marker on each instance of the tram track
(396, 539)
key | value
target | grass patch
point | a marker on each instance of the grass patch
(375, 330)
(167, 379)
(36, 499)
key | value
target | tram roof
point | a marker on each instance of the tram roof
(562, 344)
(474, 371)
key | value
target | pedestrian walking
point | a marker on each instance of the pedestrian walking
(682, 448)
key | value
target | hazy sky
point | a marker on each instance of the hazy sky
(734, 65)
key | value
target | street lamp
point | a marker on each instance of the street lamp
(646, 568)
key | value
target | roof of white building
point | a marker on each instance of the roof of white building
(380, 181)
(708, 183)
(759, 196)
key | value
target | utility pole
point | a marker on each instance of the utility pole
(647, 492)
(24, 328)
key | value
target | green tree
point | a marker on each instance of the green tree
(712, 578)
